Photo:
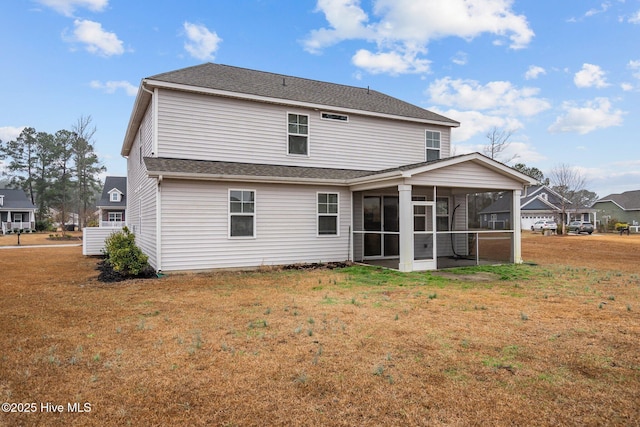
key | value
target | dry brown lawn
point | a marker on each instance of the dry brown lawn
(556, 343)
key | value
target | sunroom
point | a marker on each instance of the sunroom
(417, 217)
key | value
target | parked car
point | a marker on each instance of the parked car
(581, 227)
(544, 224)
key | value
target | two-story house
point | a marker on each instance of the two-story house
(231, 167)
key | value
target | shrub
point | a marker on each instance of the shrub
(621, 225)
(44, 225)
(123, 254)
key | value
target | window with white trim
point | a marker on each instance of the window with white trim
(298, 134)
(115, 216)
(115, 196)
(327, 214)
(242, 213)
(432, 145)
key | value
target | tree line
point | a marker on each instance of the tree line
(57, 171)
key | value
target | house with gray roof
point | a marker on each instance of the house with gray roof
(537, 202)
(112, 205)
(620, 207)
(232, 168)
(16, 211)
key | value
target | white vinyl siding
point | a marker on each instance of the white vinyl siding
(141, 191)
(195, 227)
(202, 127)
(466, 175)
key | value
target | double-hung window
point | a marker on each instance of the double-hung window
(115, 216)
(433, 145)
(242, 213)
(327, 214)
(298, 134)
(115, 196)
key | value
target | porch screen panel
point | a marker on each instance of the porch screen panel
(372, 222)
(392, 224)
(423, 232)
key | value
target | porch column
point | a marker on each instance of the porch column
(516, 255)
(405, 214)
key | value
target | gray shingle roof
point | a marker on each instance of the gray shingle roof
(289, 88)
(15, 199)
(161, 165)
(111, 182)
(629, 200)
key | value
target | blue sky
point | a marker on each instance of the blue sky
(564, 76)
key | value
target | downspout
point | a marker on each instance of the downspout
(158, 195)
(159, 226)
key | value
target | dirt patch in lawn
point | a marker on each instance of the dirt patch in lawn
(555, 343)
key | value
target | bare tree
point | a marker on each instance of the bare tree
(568, 182)
(499, 141)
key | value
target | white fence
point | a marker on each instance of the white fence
(93, 239)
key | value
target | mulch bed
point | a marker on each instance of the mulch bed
(109, 275)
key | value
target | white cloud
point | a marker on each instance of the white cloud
(635, 18)
(590, 76)
(498, 97)
(202, 43)
(596, 114)
(474, 123)
(460, 58)
(534, 72)
(347, 21)
(635, 67)
(10, 133)
(627, 87)
(404, 28)
(390, 62)
(96, 39)
(68, 7)
(112, 86)
(603, 8)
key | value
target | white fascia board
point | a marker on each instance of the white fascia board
(478, 158)
(284, 101)
(137, 114)
(611, 201)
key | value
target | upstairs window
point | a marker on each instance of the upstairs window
(115, 196)
(298, 133)
(433, 145)
(327, 214)
(242, 213)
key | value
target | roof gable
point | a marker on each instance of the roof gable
(113, 184)
(629, 200)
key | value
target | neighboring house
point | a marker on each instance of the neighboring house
(536, 202)
(230, 167)
(16, 211)
(113, 202)
(623, 207)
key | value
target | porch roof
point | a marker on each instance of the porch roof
(234, 171)
(15, 199)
